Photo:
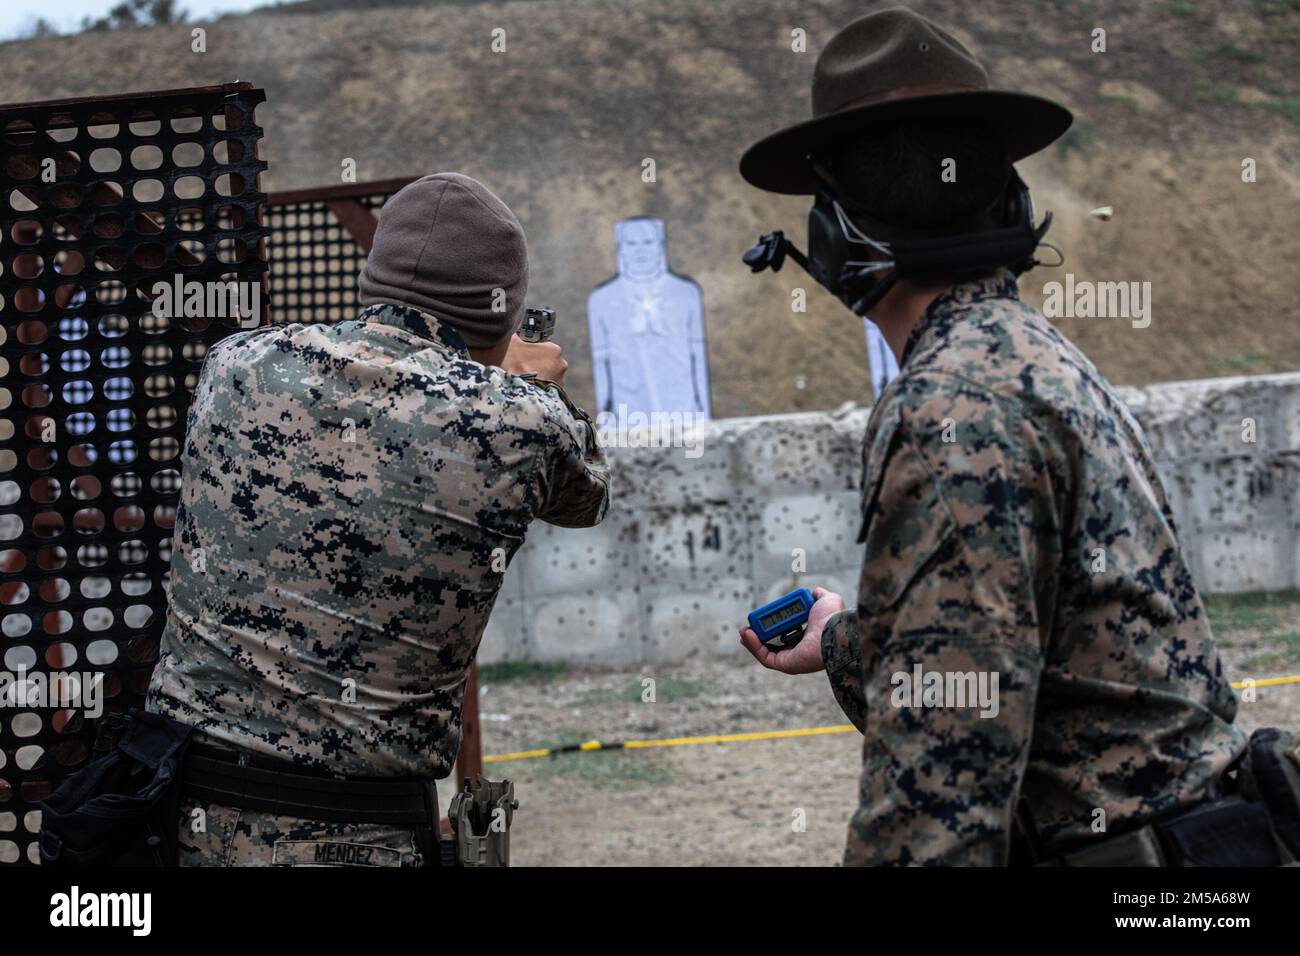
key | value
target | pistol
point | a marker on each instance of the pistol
(539, 325)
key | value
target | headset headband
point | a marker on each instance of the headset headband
(1012, 246)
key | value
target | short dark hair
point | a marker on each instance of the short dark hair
(894, 174)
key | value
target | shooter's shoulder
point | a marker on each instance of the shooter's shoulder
(528, 404)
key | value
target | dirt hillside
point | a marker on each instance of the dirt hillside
(559, 124)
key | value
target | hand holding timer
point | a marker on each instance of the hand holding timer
(780, 624)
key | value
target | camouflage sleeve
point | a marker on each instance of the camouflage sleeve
(950, 644)
(575, 482)
(842, 655)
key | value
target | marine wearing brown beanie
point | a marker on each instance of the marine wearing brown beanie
(444, 244)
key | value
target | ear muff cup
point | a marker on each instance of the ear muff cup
(1019, 208)
(828, 250)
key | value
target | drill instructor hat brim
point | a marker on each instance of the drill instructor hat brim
(891, 66)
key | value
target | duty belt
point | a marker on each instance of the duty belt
(236, 778)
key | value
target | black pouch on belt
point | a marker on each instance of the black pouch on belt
(1271, 774)
(1227, 832)
(120, 809)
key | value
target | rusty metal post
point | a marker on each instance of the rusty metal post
(470, 761)
(359, 221)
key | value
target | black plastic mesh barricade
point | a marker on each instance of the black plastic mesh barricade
(318, 242)
(102, 199)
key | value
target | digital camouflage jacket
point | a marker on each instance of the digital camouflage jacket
(351, 496)
(1015, 526)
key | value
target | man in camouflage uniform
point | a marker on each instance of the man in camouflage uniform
(1014, 523)
(352, 496)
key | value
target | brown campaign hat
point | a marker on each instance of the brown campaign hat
(891, 66)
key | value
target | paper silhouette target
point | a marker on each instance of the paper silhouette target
(647, 330)
(884, 367)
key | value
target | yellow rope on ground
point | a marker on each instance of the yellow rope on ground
(1267, 682)
(590, 745)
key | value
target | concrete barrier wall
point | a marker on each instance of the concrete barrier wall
(691, 544)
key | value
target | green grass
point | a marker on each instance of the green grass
(1288, 106)
(1078, 136)
(1241, 363)
(1283, 653)
(1219, 93)
(1183, 8)
(1227, 51)
(1251, 611)
(667, 689)
(1279, 33)
(503, 671)
(603, 769)
(1126, 101)
(1273, 8)
(1262, 625)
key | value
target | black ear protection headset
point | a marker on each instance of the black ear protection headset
(837, 247)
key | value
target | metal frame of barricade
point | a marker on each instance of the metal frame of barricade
(104, 197)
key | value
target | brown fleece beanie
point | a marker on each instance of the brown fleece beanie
(444, 243)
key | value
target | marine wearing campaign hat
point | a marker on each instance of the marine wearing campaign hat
(1013, 520)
